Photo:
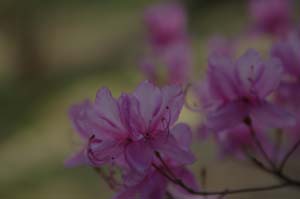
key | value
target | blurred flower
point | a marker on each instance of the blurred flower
(288, 93)
(271, 16)
(234, 91)
(287, 51)
(168, 44)
(166, 24)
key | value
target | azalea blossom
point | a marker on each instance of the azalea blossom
(287, 51)
(166, 24)
(271, 16)
(130, 129)
(288, 94)
(236, 90)
(169, 51)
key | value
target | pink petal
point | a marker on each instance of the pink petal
(248, 69)
(288, 53)
(154, 187)
(270, 115)
(190, 180)
(172, 102)
(83, 118)
(178, 60)
(100, 152)
(132, 177)
(107, 109)
(170, 148)
(270, 78)
(220, 77)
(227, 116)
(139, 156)
(183, 135)
(149, 98)
(76, 160)
(166, 23)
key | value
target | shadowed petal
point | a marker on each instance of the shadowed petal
(154, 187)
(226, 117)
(171, 149)
(103, 151)
(183, 135)
(139, 156)
(76, 160)
(220, 77)
(270, 115)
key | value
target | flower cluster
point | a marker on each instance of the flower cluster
(245, 101)
(132, 133)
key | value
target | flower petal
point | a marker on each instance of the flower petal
(269, 115)
(172, 102)
(139, 156)
(170, 148)
(183, 135)
(149, 98)
(76, 160)
(189, 179)
(270, 78)
(108, 110)
(100, 152)
(83, 118)
(220, 77)
(227, 116)
(155, 186)
(248, 69)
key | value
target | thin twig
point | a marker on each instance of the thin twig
(257, 142)
(278, 145)
(180, 183)
(288, 155)
(258, 163)
(165, 164)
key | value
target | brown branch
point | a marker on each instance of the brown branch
(180, 183)
(257, 142)
(288, 155)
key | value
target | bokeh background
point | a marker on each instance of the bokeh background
(54, 53)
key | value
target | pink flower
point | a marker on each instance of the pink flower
(234, 91)
(271, 16)
(130, 129)
(288, 93)
(288, 52)
(169, 48)
(166, 23)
